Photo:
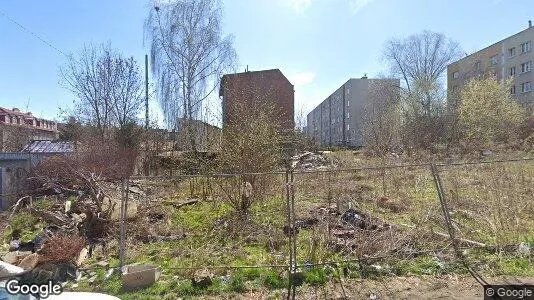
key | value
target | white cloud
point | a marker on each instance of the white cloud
(299, 6)
(303, 78)
(357, 5)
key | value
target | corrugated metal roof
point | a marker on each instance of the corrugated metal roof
(48, 147)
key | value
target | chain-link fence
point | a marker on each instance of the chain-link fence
(286, 230)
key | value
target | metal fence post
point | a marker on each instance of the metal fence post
(122, 218)
(294, 233)
(289, 234)
(448, 224)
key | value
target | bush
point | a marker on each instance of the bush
(61, 249)
(237, 282)
(273, 280)
(315, 277)
(251, 145)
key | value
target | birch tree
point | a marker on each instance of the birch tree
(189, 54)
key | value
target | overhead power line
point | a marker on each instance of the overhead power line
(3, 13)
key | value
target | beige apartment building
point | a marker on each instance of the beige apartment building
(339, 119)
(509, 58)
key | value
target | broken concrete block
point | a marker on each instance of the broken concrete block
(82, 257)
(139, 276)
(10, 258)
(9, 269)
(15, 257)
(131, 210)
(29, 262)
(102, 263)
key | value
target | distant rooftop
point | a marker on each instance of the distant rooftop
(15, 117)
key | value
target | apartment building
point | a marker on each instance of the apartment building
(339, 119)
(511, 57)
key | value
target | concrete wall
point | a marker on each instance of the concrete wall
(13, 172)
(14, 169)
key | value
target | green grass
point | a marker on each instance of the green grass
(215, 236)
(28, 225)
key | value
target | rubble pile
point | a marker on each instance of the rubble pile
(80, 218)
(310, 161)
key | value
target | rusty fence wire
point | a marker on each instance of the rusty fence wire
(322, 228)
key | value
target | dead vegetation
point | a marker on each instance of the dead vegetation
(360, 223)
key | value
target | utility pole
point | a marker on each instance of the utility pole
(147, 141)
(146, 91)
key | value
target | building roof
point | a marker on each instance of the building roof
(49, 147)
(487, 47)
(26, 117)
(251, 73)
(13, 112)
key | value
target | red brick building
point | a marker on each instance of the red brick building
(252, 89)
(18, 128)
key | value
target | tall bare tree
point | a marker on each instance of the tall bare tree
(107, 87)
(420, 60)
(382, 117)
(189, 54)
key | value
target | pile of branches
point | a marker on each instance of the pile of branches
(80, 182)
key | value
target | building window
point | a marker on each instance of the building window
(525, 67)
(348, 91)
(348, 115)
(494, 60)
(525, 87)
(525, 47)
(348, 126)
(477, 65)
(456, 75)
(348, 103)
(511, 52)
(512, 71)
(512, 90)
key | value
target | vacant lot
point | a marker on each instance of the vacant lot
(363, 231)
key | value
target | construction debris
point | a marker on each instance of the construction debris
(139, 276)
(310, 161)
(202, 278)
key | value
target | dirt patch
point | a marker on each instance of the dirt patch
(421, 287)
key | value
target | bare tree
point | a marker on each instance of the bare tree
(189, 54)
(420, 60)
(382, 117)
(107, 86)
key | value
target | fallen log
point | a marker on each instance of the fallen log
(161, 238)
(50, 217)
(178, 205)
(441, 234)
(17, 205)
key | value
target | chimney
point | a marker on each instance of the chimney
(529, 23)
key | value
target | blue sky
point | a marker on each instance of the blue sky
(318, 44)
